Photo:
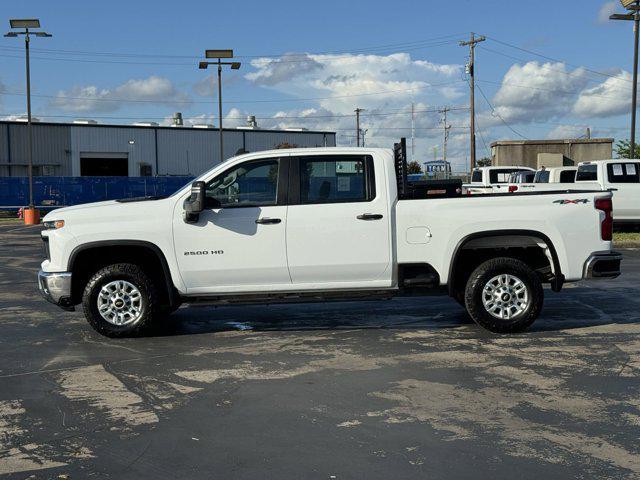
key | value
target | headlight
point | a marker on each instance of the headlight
(53, 224)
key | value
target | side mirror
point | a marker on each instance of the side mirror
(195, 203)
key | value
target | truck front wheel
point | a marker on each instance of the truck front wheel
(504, 295)
(120, 300)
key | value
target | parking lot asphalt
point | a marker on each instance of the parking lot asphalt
(402, 388)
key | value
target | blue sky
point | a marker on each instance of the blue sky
(310, 64)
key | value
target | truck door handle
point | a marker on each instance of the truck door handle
(268, 221)
(369, 216)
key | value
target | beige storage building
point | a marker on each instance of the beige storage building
(525, 152)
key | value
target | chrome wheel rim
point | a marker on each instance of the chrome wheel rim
(505, 297)
(120, 303)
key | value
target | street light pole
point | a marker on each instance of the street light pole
(26, 25)
(218, 55)
(220, 110)
(29, 131)
(633, 6)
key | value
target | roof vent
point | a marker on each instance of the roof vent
(24, 118)
(85, 121)
(145, 124)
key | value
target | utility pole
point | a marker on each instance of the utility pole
(632, 6)
(446, 132)
(358, 110)
(473, 40)
(413, 132)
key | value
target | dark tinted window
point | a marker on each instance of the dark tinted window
(335, 179)
(542, 176)
(623, 172)
(587, 173)
(527, 177)
(568, 176)
(246, 185)
(476, 176)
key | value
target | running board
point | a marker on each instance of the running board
(290, 297)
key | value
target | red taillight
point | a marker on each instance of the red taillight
(606, 225)
(513, 188)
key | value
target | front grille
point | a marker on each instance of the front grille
(45, 246)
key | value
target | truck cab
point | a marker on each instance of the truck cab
(622, 176)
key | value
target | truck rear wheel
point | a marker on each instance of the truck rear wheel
(504, 295)
(120, 300)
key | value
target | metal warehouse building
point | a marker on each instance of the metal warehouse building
(91, 149)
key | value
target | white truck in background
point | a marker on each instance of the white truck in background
(321, 224)
(486, 180)
(547, 179)
(622, 177)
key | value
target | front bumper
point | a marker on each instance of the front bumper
(602, 265)
(56, 288)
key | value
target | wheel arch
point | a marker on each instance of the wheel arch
(151, 248)
(558, 278)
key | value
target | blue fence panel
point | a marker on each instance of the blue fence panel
(63, 191)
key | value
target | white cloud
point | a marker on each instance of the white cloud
(606, 9)
(91, 98)
(611, 97)
(384, 85)
(536, 91)
(567, 131)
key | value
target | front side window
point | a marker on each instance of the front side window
(476, 176)
(335, 179)
(250, 184)
(623, 172)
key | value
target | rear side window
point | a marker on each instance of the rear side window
(336, 179)
(568, 176)
(623, 172)
(587, 173)
(476, 176)
(542, 176)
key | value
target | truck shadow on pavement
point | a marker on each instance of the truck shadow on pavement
(580, 309)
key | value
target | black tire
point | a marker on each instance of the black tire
(491, 269)
(150, 301)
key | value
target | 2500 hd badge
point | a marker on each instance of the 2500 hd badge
(205, 252)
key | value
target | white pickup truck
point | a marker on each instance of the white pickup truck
(620, 175)
(553, 178)
(320, 223)
(486, 180)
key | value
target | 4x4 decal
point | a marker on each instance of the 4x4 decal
(576, 201)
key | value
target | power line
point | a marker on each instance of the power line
(93, 99)
(559, 91)
(531, 52)
(494, 112)
(547, 67)
(419, 43)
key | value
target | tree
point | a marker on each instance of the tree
(623, 148)
(484, 162)
(414, 167)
